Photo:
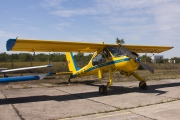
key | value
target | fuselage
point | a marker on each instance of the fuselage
(102, 62)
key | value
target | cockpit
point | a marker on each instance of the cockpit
(115, 51)
(107, 54)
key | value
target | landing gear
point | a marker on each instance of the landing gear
(102, 89)
(142, 85)
(69, 80)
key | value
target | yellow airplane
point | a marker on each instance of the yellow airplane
(107, 57)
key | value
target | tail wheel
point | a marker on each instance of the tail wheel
(142, 85)
(102, 89)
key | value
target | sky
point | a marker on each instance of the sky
(140, 22)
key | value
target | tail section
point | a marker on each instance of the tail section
(71, 62)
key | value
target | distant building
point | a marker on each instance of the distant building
(171, 61)
(155, 57)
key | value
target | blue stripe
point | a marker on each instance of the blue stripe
(74, 62)
(10, 44)
(106, 64)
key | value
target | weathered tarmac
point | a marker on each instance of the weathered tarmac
(83, 102)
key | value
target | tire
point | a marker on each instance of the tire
(102, 90)
(142, 85)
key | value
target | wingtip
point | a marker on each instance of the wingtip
(10, 44)
(41, 76)
(50, 65)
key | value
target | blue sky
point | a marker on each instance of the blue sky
(143, 22)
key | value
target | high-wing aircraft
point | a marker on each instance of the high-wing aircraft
(21, 78)
(107, 57)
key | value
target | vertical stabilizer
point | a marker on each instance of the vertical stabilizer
(71, 62)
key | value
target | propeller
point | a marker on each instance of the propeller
(133, 56)
(146, 66)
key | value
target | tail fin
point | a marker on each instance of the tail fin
(71, 62)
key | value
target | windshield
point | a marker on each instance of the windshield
(115, 51)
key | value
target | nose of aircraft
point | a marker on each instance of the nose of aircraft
(134, 63)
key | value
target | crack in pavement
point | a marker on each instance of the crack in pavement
(129, 109)
(81, 97)
(14, 108)
(143, 115)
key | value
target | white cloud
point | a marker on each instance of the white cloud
(61, 26)
(129, 4)
(75, 12)
(148, 21)
(47, 4)
(5, 34)
(161, 15)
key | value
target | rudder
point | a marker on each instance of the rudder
(71, 62)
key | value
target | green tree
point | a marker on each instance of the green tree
(4, 57)
(166, 60)
(14, 57)
(120, 41)
(57, 57)
(40, 57)
(177, 59)
(146, 58)
(24, 57)
(62, 57)
(79, 57)
(88, 57)
(160, 60)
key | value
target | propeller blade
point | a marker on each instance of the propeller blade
(124, 50)
(146, 67)
(128, 53)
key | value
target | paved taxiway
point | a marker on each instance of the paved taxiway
(81, 102)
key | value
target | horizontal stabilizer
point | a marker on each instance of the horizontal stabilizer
(25, 68)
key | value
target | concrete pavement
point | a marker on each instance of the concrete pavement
(79, 101)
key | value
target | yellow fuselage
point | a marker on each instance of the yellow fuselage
(123, 63)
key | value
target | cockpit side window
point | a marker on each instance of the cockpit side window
(106, 53)
(115, 51)
(99, 59)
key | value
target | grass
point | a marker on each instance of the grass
(162, 71)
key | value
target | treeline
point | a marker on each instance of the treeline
(61, 57)
(148, 59)
(54, 57)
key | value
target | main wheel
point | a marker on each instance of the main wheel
(142, 85)
(102, 89)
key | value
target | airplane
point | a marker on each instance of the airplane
(7, 79)
(106, 58)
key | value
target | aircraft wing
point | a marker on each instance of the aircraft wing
(51, 46)
(25, 68)
(147, 49)
(64, 46)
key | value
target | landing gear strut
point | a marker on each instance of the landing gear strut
(103, 88)
(142, 83)
(69, 80)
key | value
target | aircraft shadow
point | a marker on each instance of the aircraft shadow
(114, 90)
